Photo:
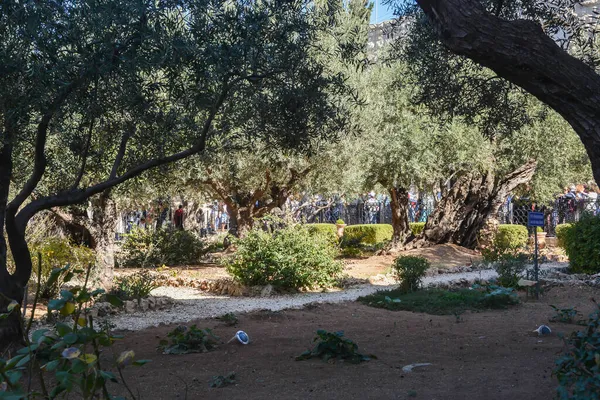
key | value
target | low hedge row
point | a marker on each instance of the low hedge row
(327, 230)
(369, 233)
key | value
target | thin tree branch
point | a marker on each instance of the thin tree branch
(80, 195)
(84, 156)
(120, 154)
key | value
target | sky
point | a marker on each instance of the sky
(381, 12)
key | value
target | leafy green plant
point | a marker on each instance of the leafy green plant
(351, 251)
(416, 228)
(499, 297)
(230, 319)
(55, 253)
(145, 248)
(508, 239)
(369, 234)
(135, 286)
(410, 271)
(510, 268)
(65, 358)
(578, 369)
(565, 315)
(561, 231)
(223, 380)
(332, 346)
(183, 340)
(340, 222)
(291, 257)
(443, 302)
(582, 245)
(329, 231)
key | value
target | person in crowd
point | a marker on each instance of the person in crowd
(178, 218)
(372, 209)
(593, 192)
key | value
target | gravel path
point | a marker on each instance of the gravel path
(194, 304)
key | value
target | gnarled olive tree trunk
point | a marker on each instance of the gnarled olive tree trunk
(468, 204)
(101, 223)
(95, 226)
(399, 205)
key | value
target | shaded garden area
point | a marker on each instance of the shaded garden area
(255, 199)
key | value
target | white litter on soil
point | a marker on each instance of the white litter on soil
(194, 304)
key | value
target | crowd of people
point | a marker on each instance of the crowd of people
(369, 208)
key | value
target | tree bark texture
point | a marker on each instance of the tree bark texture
(399, 205)
(470, 202)
(96, 226)
(522, 53)
(243, 208)
(101, 222)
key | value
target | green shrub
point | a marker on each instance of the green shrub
(561, 230)
(369, 233)
(291, 257)
(143, 248)
(416, 227)
(329, 231)
(332, 345)
(582, 245)
(578, 370)
(340, 222)
(509, 239)
(65, 357)
(510, 268)
(56, 253)
(410, 271)
(136, 286)
(184, 340)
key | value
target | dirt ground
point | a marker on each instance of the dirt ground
(487, 355)
(446, 255)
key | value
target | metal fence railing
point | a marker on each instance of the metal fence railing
(562, 211)
(359, 212)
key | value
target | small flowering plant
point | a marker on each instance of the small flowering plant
(65, 359)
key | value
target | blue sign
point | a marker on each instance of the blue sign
(535, 219)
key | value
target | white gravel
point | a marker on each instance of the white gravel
(194, 304)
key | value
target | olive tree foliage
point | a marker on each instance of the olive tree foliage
(253, 175)
(560, 155)
(93, 94)
(453, 85)
(548, 49)
(402, 145)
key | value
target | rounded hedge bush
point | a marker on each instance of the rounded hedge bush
(370, 234)
(416, 227)
(292, 257)
(144, 248)
(582, 244)
(327, 230)
(510, 238)
(410, 271)
(561, 230)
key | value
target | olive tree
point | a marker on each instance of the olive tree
(93, 94)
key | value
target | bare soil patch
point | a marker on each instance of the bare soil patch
(446, 255)
(491, 355)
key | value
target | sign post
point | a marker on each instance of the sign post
(535, 219)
